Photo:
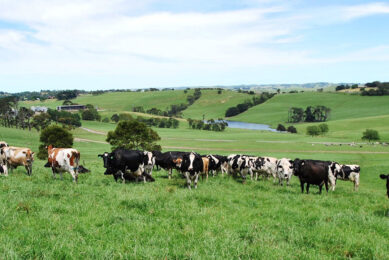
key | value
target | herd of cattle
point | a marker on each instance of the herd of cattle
(134, 165)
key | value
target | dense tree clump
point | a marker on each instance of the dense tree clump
(210, 125)
(310, 114)
(56, 136)
(133, 134)
(256, 100)
(292, 129)
(370, 135)
(314, 130)
(67, 119)
(67, 94)
(376, 88)
(281, 128)
(90, 113)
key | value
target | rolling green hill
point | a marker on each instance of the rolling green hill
(214, 105)
(343, 106)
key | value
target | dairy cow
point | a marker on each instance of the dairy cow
(149, 162)
(63, 160)
(348, 173)
(126, 165)
(191, 165)
(166, 160)
(284, 170)
(18, 156)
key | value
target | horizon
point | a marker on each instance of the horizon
(58, 45)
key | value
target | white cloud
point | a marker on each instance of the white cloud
(120, 37)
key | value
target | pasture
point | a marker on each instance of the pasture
(224, 218)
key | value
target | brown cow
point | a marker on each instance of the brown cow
(19, 156)
(64, 160)
(205, 167)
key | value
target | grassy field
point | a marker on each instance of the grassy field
(223, 218)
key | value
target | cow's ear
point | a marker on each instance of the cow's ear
(99, 155)
(290, 161)
(383, 176)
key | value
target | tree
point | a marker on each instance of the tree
(232, 111)
(90, 114)
(133, 135)
(115, 118)
(67, 94)
(105, 120)
(323, 128)
(370, 135)
(292, 129)
(313, 130)
(56, 136)
(41, 121)
(281, 127)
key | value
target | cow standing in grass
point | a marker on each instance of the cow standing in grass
(284, 170)
(311, 172)
(18, 156)
(191, 165)
(63, 160)
(348, 173)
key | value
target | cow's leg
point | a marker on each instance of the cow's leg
(196, 179)
(74, 175)
(302, 186)
(307, 187)
(170, 172)
(53, 170)
(287, 182)
(188, 182)
(28, 169)
(320, 187)
(326, 184)
(356, 183)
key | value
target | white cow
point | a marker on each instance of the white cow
(284, 170)
(269, 165)
(149, 162)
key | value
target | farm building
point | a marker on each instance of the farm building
(71, 107)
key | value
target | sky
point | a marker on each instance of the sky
(117, 44)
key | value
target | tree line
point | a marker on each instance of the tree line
(152, 121)
(376, 89)
(256, 100)
(209, 125)
(310, 114)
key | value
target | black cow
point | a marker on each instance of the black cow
(166, 160)
(386, 177)
(121, 163)
(191, 165)
(311, 172)
(217, 163)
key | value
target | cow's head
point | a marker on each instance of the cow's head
(386, 177)
(336, 169)
(297, 164)
(82, 169)
(285, 168)
(29, 155)
(107, 158)
(149, 158)
(236, 162)
(178, 162)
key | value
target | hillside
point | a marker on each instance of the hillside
(211, 104)
(343, 106)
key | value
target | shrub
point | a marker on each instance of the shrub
(106, 120)
(133, 134)
(323, 128)
(371, 135)
(281, 127)
(313, 130)
(56, 136)
(115, 118)
(90, 114)
(232, 111)
(292, 129)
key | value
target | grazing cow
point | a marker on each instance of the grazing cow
(269, 166)
(205, 167)
(18, 156)
(191, 165)
(348, 172)
(149, 161)
(165, 160)
(122, 162)
(63, 160)
(311, 172)
(386, 177)
(284, 170)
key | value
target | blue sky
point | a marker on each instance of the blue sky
(103, 44)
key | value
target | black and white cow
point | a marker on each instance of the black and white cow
(348, 173)
(149, 162)
(122, 163)
(311, 172)
(267, 166)
(191, 165)
(386, 177)
(284, 170)
(217, 163)
(166, 160)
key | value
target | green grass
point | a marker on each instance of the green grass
(213, 105)
(223, 218)
(343, 106)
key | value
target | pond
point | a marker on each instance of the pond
(251, 126)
